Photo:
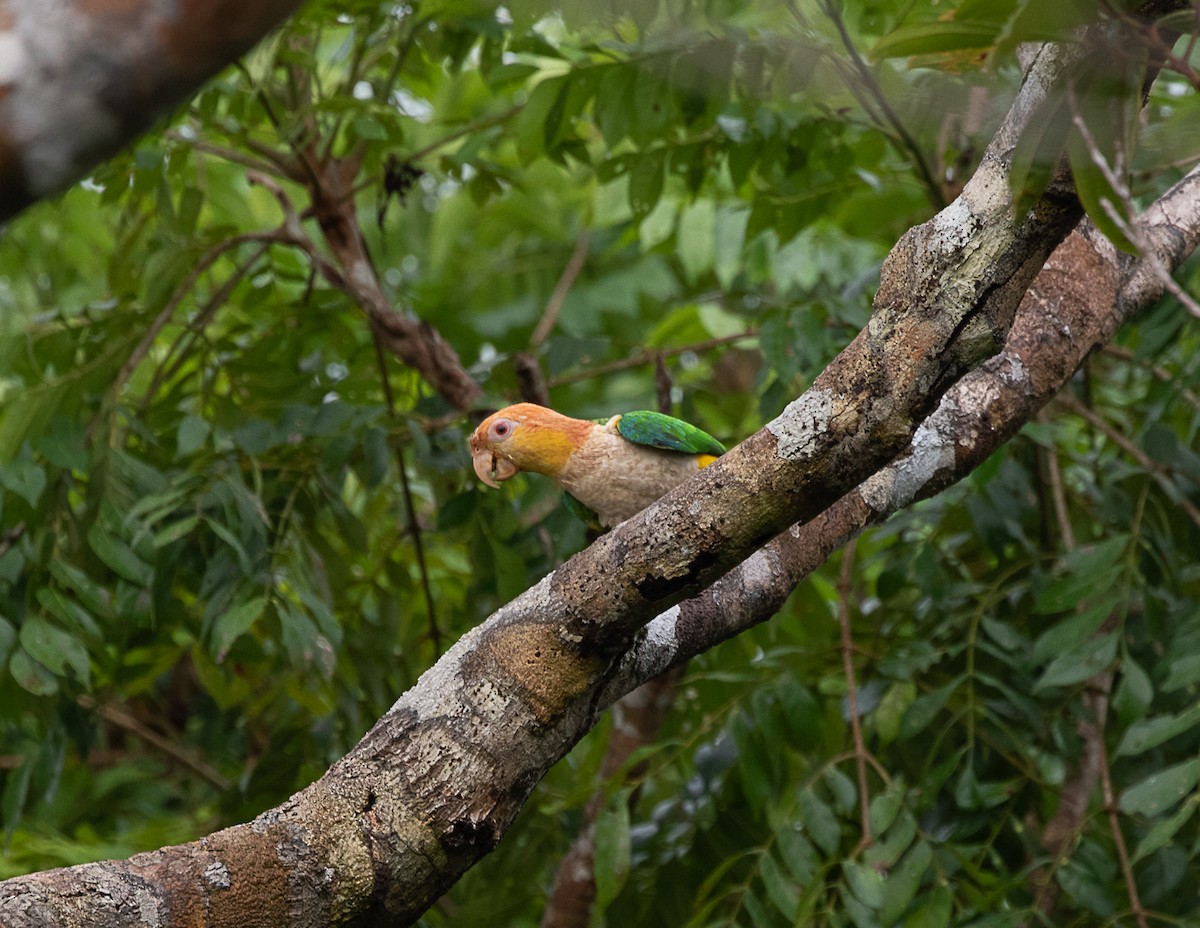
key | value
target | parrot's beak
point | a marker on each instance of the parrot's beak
(491, 468)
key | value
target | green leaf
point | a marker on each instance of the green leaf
(1134, 693)
(55, 649)
(612, 849)
(24, 477)
(1086, 574)
(613, 106)
(1070, 632)
(1038, 21)
(931, 38)
(924, 710)
(119, 557)
(1161, 791)
(903, 882)
(1162, 832)
(797, 851)
(866, 883)
(843, 790)
(1101, 107)
(1182, 670)
(1150, 733)
(69, 612)
(820, 822)
(1039, 148)
(30, 675)
(760, 915)
(533, 124)
(94, 597)
(191, 435)
(934, 912)
(233, 623)
(1082, 662)
(779, 888)
(175, 531)
(646, 182)
(885, 807)
(8, 636)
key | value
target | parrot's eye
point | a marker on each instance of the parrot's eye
(501, 428)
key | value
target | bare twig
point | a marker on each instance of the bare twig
(908, 144)
(206, 261)
(1100, 703)
(435, 634)
(636, 720)
(1059, 497)
(122, 718)
(11, 537)
(274, 163)
(1114, 176)
(662, 384)
(558, 295)
(531, 382)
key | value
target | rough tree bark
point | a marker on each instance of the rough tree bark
(434, 784)
(79, 79)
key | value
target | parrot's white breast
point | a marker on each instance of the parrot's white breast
(616, 478)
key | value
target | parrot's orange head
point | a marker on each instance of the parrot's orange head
(525, 437)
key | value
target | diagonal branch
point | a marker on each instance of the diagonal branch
(1085, 293)
(432, 787)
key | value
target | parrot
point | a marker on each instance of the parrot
(610, 469)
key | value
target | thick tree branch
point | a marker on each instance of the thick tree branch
(1086, 292)
(430, 789)
(79, 80)
(435, 783)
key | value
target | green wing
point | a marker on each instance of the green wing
(644, 427)
(582, 513)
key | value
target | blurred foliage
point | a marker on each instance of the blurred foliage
(203, 520)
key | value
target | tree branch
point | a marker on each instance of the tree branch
(59, 119)
(435, 783)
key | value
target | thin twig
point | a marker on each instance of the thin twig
(845, 590)
(907, 142)
(662, 384)
(275, 164)
(558, 296)
(435, 634)
(206, 261)
(1110, 807)
(1160, 474)
(122, 718)
(11, 537)
(1059, 497)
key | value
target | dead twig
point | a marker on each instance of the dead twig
(124, 719)
(558, 295)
